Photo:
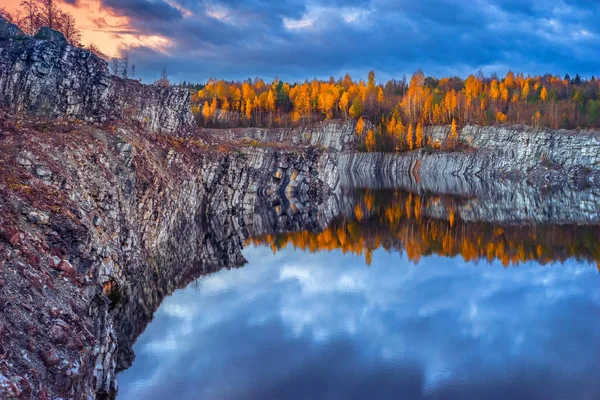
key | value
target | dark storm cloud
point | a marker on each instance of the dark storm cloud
(298, 39)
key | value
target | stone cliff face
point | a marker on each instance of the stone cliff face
(336, 135)
(44, 76)
(95, 231)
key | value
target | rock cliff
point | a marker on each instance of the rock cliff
(44, 76)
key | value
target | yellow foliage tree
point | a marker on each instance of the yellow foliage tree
(248, 110)
(543, 94)
(419, 136)
(344, 103)
(206, 111)
(271, 105)
(525, 92)
(453, 130)
(370, 142)
(380, 96)
(213, 106)
(409, 137)
(505, 94)
(360, 126)
(271, 101)
(453, 136)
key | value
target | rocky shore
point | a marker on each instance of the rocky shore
(110, 199)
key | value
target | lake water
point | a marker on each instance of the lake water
(391, 300)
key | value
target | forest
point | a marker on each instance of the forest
(399, 109)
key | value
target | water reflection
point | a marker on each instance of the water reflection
(426, 225)
(435, 316)
(300, 325)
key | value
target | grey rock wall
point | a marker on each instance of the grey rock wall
(333, 135)
(514, 148)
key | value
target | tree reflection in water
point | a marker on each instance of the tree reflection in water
(424, 225)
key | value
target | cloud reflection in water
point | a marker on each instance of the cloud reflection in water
(301, 325)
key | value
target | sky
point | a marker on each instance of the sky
(299, 39)
(301, 325)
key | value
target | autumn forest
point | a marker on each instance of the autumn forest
(398, 110)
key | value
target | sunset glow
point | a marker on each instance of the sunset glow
(99, 25)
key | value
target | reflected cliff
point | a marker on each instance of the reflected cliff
(444, 225)
(445, 216)
(200, 246)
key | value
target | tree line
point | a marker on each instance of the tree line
(399, 109)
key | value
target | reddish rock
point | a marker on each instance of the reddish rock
(57, 334)
(25, 387)
(8, 389)
(66, 267)
(50, 357)
(76, 342)
(54, 261)
(11, 236)
(35, 281)
(1, 283)
(50, 284)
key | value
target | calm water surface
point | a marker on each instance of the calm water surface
(385, 303)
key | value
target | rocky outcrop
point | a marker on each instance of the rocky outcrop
(95, 232)
(44, 76)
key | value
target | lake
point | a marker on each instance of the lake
(401, 295)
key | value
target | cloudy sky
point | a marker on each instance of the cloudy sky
(298, 39)
(300, 325)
